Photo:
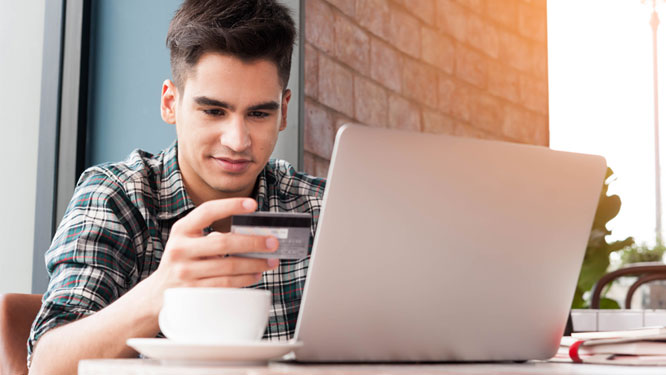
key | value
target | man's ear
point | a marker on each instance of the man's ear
(168, 102)
(285, 101)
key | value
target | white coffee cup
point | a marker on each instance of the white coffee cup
(214, 315)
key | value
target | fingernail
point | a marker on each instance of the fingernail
(273, 262)
(272, 243)
(248, 204)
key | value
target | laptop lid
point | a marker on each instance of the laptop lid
(440, 248)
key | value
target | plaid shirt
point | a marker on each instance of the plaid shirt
(117, 224)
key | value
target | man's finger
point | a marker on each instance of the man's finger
(230, 266)
(216, 244)
(211, 211)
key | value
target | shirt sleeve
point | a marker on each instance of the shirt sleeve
(91, 260)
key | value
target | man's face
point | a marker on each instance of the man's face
(228, 114)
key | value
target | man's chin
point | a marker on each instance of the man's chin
(233, 184)
(234, 188)
(230, 190)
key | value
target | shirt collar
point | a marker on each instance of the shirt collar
(173, 198)
(260, 193)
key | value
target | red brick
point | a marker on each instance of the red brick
(461, 102)
(452, 19)
(471, 66)
(537, 3)
(405, 33)
(539, 64)
(434, 122)
(319, 132)
(475, 5)
(319, 25)
(437, 49)
(385, 65)
(321, 167)
(532, 21)
(335, 86)
(352, 45)
(375, 16)
(311, 71)
(534, 93)
(503, 12)
(487, 113)
(535, 136)
(503, 81)
(483, 36)
(314, 165)
(370, 102)
(347, 7)
(446, 89)
(403, 114)
(342, 120)
(541, 136)
(515, 51)
(309, 163)
(514, 125)
(420, 82)
(465, 130)
(423, 9)
(517, 124)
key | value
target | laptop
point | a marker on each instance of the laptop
(434, 248)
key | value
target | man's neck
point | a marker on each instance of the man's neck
(199, 196)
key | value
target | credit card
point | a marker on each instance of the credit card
(292, 230)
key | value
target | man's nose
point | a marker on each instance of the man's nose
(236, 135)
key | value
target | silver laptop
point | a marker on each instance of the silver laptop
(439, 248)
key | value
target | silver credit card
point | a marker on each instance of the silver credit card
(292, 229)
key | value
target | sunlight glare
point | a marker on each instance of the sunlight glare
(601, 98)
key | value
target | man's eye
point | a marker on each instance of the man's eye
(213, 112)
(258, 114)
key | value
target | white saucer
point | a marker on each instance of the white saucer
(251, 353)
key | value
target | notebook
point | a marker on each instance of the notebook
(440, 248)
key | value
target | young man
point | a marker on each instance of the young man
(136, 228)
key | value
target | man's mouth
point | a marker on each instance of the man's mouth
(232, 165)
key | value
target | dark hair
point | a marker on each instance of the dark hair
(247, 29)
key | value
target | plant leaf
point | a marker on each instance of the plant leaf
(608, 303)
(594, 267)
(619, 245)
(608, 208)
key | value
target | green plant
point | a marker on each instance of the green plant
(598, 251)
(643, 253)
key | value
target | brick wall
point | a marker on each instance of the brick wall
(475, 68)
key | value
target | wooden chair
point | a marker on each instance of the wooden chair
(646, 272)
(17, 312)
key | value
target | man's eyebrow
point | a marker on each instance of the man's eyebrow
(204, 100)
(268, 106)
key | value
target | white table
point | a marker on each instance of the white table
(153, 367)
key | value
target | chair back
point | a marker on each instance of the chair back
(646, 272)
(17, 312)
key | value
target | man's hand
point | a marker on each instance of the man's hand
(192, 259)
